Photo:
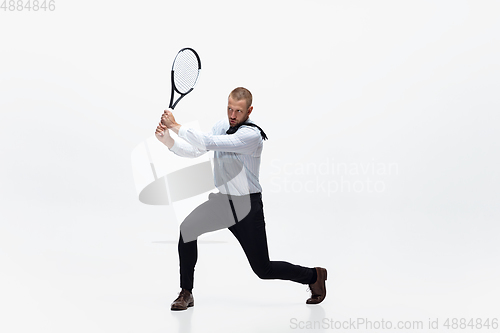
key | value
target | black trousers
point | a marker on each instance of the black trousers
(250, 232)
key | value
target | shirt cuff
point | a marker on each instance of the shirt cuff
(175, 147)
(182, 132)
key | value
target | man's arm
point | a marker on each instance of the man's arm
(178, 148)
(244, 141)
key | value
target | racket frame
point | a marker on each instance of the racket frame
(174, 88)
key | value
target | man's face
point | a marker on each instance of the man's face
(237, 111)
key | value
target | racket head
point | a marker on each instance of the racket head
(185, 70)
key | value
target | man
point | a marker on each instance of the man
(237, 144)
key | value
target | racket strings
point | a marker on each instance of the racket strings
(186, 70)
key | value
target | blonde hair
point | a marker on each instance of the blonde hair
(242, 93)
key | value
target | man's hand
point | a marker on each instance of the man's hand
(161, 131)
(168, 119)
(163, 135)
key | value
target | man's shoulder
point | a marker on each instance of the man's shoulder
(253, 127)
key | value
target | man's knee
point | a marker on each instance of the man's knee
(189, 231)
(262, 271)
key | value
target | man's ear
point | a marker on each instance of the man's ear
(250, 109)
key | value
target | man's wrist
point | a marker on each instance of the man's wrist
(175, 128)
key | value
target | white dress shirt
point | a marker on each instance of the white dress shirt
(236, 156)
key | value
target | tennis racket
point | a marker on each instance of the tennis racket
(185, 72)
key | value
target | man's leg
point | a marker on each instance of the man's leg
(188, 256)
(214, 214)
(211, 215)
(251, 234)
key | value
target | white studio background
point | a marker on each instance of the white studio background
(381, 164)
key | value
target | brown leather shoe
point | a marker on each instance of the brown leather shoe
(184, 301)
(318, 288)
